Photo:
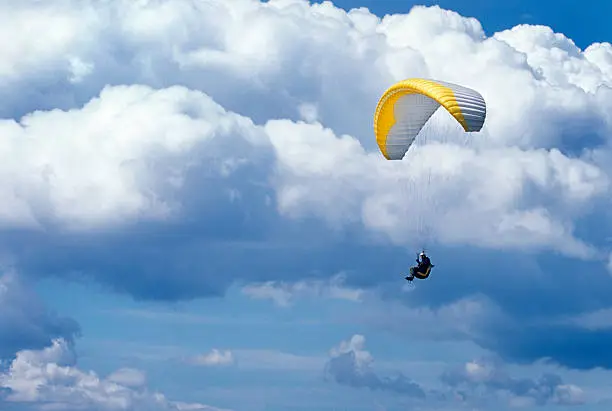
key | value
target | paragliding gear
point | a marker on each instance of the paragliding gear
(415, 272)
(406, 106)
(407, 117)
(423, 268)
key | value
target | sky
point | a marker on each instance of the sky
(584, 25)
(196, 215)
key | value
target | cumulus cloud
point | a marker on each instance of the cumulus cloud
(486, 379)
(25, 322)
(194, 160)
(57, 32)
(335, 179)
(144, 145)
(214, 358)
(121, 184)
(305, 54)
(101, 166)
(351, 365)
(49, 379)
(171, 157)
(283, 294)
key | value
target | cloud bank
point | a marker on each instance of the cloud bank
(49, 376)
(166, 150)
(163, 150)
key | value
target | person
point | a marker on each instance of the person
(423, 268)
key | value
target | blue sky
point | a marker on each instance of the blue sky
(584, 25)
(195, 207)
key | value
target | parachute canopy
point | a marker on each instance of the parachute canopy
(406, 106)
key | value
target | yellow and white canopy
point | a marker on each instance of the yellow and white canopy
(406, 106)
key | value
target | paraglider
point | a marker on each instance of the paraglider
(406, 107)
(422, 269)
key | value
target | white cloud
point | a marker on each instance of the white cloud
(314, 62)
(333, 178)
(356, 345)
(283, 294)
(487, 379)
(141, 146)
(115, 160)
(474, 196)
(54, 32)
(351, 364)
(543, 47)
(145, 151)
(569, 394)
(129, 377)
(320, 55)
(39, 377)
(214, 358)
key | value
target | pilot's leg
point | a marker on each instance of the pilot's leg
(410, 277)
